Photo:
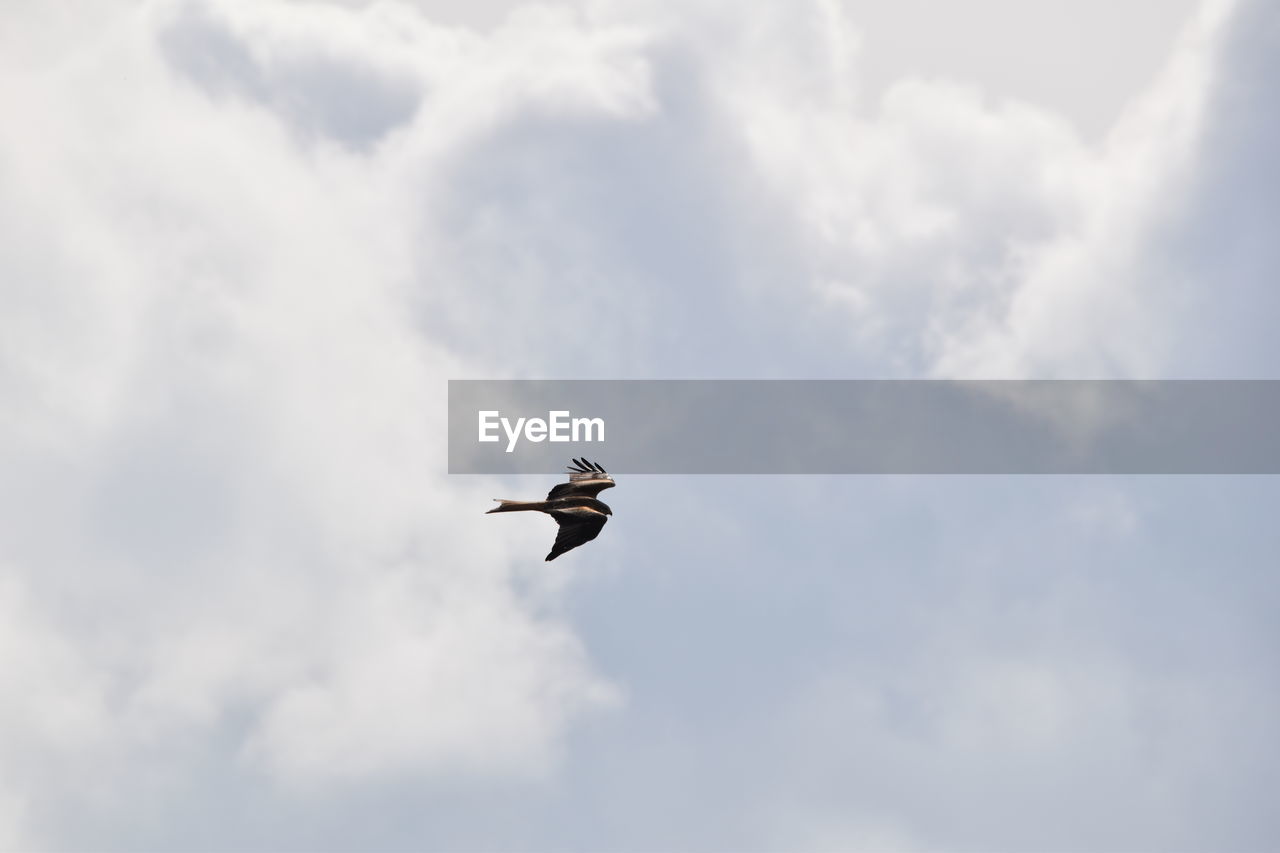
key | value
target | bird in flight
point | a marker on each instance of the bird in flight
(573, 505)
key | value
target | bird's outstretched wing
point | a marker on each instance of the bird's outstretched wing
(578, 524)
(587, 479)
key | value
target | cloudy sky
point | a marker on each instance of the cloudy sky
(243, 247)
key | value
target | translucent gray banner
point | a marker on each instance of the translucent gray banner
(866, 426)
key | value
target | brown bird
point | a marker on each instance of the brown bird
(573, 505)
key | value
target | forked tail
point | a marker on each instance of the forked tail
(518, 506)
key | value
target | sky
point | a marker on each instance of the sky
(244, 246)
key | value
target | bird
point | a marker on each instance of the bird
(573, 505)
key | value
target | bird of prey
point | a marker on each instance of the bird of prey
(573, 505)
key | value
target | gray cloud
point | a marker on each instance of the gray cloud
(339, 92)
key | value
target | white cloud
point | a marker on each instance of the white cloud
(969, 235)
(222, 430)
(1097, 298)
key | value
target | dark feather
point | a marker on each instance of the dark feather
(577, 526)
(587, 479)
